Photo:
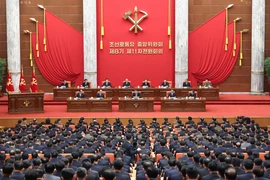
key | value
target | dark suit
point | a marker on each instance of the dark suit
(64, 84)
(165, 84)
(192, 95)
(211, 176)
(186, 84)
(136, 95)
(146, 84)
(106, 84)
(171, 95)
(17, 175)
(126, 84)
(122, 176)
(129, 149)
(100, 95)
(248, 175)
(80, 95)
(86, 84)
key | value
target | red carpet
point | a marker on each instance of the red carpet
(211, 111)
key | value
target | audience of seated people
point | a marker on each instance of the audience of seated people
(172, 151)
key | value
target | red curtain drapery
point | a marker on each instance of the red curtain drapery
(207, 55)
(63, 59)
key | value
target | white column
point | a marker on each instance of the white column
(90, 41)
(13, 41)
(257, 46)
(181, 42)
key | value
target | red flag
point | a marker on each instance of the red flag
(22, 85)
(9, 86)
(34, 84)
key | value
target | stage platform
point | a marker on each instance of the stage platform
(229, 105)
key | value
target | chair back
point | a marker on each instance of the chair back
(69, 84)
(170, 84)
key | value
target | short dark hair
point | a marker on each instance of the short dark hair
(258, 172)
(118, 164)
(68, 173)
(49, 168)
(248, 164)
(18, 165)
(32, 174)
(81, 172)
(192, 172)
(212, 166)
(152, 172)
(108, 173)
(59, 165)
(7, 169)
(87, 165)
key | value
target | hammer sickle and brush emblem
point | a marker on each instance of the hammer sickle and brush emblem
(135, 21)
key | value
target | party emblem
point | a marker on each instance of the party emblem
(135, 21)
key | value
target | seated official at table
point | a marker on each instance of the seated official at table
(192, 94)
(86, 84)
(145, 84)
(171, 94)
(126, 84)
(100, 94)
(80, 94)
(207, 83)
(136, 94)
(64, 84)
(165, 84)
(107, 84)
(186, 83)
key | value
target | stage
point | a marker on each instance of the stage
(229, 105)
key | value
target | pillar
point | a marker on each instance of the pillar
(13, 41)
(257, 46)
(90, 41)
(181, 42)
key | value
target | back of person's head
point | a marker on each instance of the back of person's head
(192, 172)
(67, 174)
(75, 154)
(207, 153)
(266, 164)
(18, 165)
(7, 169)
(128, 136)
(221, 157)
(196, 158)
(59, 165)
(212, 166)
(248, 164)
(107, 174)
(221, 169)
(236, 162)
(228, 160)
(231, 174)
(206, 161)
(258, 161)
(147, 164)
(87, 165)
(190, 154)
(31, 174)
(49, 168)
(152, 172)
(118, 164)
(172, 162)
(81, 172)
(36, 162)
(258, 172)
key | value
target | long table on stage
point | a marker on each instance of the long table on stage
(89, 105)
(26, 102)
(136, 105)
(182, 105)
(115, 93)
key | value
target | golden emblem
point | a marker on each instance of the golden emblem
(135, 21)
(26, 103)
(136, 105)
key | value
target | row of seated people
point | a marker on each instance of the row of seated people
(127, 84)
(136, 94)
(213, 150)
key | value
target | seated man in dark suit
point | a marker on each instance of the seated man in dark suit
(107, 84)
(192, 94)
(165, 84)
(64, 84)
(126, 84)
(136, 94)
(186, 84)
(172, 94)
(86, 84)
(80, 94)
(100, 94)
(145, 84)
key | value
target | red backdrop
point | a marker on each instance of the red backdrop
(135, 67)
